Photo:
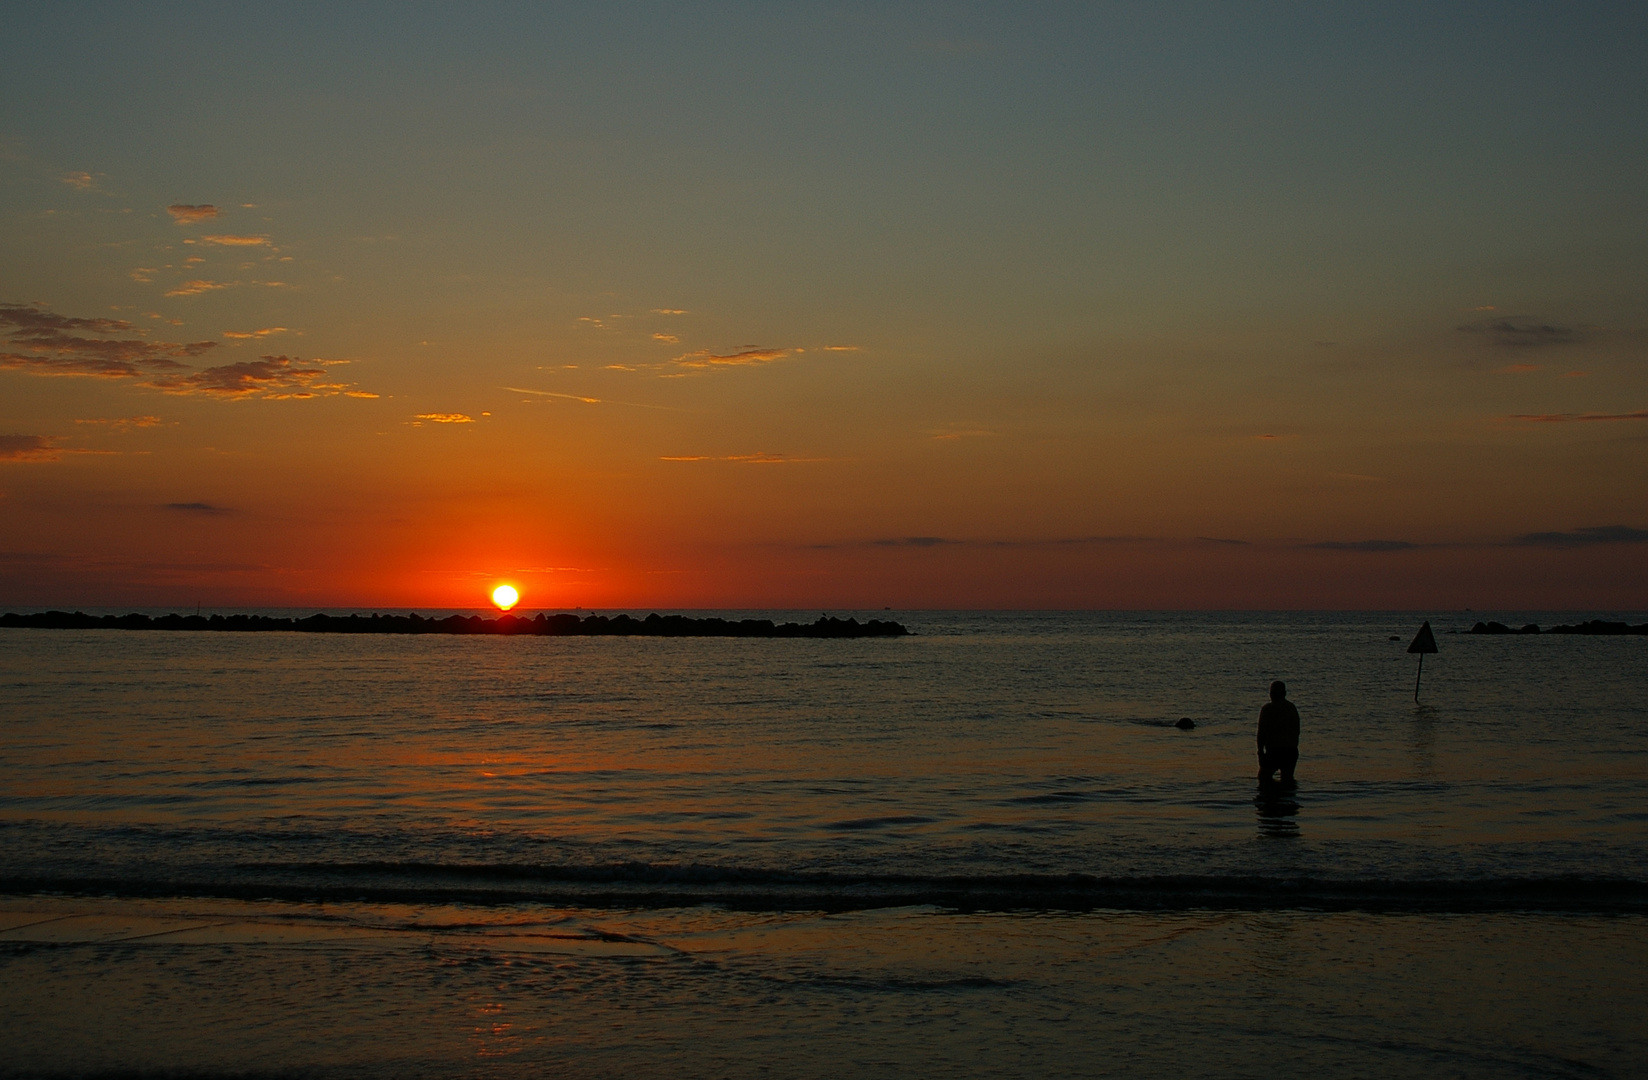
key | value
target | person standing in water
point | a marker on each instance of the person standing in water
(1278, 735)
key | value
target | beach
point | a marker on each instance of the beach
(373, 990)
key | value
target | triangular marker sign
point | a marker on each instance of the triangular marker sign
(1424, 641)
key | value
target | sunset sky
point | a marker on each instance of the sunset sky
(825, 306)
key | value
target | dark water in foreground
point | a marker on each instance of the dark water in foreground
(983, 850)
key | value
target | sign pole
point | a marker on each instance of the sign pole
(1423, 642)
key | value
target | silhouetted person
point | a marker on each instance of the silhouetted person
(1278, 735)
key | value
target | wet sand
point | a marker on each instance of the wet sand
(214, 988)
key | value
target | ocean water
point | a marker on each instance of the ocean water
(983, 850)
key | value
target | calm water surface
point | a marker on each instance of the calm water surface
(701, 857)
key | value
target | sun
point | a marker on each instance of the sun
(505, 597)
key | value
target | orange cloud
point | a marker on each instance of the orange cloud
(236, 241)
(80, 181)
(244, 334)
(196, 287)
(446, 418)
(703, 358)
(123, 423)
(189, 213)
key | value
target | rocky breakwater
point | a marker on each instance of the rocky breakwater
(1599, 627)
(564, 625)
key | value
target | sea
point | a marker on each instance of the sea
(988, 849)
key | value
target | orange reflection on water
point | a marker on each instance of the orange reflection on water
(494, 1037)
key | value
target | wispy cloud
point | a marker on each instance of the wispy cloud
(1578, 538)
(241, 335)
(236, 241)
(669, 311)
(1523, 332)
(1600, 534)
(80, 181)
(190, 213)
(496, 572)
(700, 360)
(703, 358)
(1596, 534)
(124, 423)
(1581, 418)
(553, 394)
(196, 508)
(43, 342)
(582, 398)
(28, 448)
(446, 418)
(914, 541)
(945, 541)
(745, 459)
(198, 286)
(1365, 545)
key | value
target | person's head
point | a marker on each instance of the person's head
(1278, 690)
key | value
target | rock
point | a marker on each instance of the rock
(1185, 723)
(1600, 626)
